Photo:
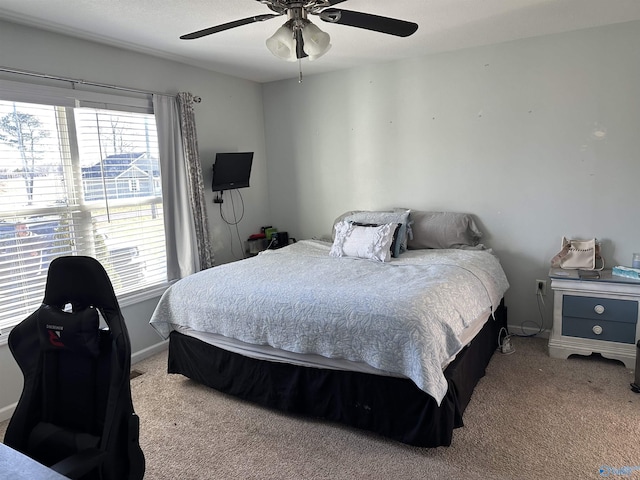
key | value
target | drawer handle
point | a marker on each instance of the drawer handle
(597, 329)
(599, 309)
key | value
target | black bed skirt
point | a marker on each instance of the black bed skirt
(390, 406)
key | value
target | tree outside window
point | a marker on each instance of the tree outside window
(24, 132)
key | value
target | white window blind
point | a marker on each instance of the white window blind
(77, 181)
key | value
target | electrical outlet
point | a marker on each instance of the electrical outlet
(541, 287)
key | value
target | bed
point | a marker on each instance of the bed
(387, 327)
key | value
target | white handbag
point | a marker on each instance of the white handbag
(579, 255)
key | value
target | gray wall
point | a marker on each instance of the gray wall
(508, 132)
(230, 118)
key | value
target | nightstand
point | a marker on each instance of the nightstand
(595, 315)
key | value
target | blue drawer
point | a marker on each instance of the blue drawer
(610, 331)
(615, 320)
(600, 309)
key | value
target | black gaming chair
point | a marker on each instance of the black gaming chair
(75, 413)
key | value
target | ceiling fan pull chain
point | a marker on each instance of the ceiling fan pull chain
(299, 70)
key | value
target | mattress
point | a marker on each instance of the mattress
(409, 317)
(268, 353)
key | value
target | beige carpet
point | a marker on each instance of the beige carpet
(531, 417)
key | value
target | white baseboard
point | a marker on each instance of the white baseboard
(528, 331)
(7, 412)
(149, 351)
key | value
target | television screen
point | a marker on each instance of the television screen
(231, 170)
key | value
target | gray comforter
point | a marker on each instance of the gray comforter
(403, 317)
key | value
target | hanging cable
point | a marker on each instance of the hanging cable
(235, 221)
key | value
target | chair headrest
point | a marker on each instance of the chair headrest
(74, 331)
(80, 281)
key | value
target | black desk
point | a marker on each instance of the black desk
(16, 466)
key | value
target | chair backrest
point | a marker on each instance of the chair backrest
(76, 391)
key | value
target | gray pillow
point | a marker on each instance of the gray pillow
(442, 230)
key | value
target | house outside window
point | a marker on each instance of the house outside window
(134, 185)
(77, 181)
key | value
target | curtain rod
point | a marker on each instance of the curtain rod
(74, 81)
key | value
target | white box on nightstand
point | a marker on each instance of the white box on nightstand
(595, 315)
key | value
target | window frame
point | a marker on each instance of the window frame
(71, 97)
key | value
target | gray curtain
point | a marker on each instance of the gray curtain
(186, 226)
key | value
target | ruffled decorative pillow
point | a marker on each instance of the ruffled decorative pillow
(396, 216)
(373, 243)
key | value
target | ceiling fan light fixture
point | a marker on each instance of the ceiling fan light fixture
(316, 42)
(299, 38)
(282, 44)
(315, 57)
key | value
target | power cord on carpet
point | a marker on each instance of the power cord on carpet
(541, 306)
(504, 342)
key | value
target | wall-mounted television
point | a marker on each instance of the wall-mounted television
(231, 171)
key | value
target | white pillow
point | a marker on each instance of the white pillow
(373, 243)
(397, 216)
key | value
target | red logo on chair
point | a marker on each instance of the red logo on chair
(54, 338)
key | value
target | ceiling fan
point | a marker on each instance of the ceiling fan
(299, 38)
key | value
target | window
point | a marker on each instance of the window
(77, 181)
(134, 185)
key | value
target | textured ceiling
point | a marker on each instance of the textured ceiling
(153, 26)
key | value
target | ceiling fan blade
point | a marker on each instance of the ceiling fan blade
(335, 2)
(391, 26)
(227, 26)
